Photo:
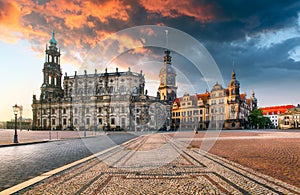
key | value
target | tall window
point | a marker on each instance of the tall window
(112, 121)
(44, 122)
(111, 89)
(100, 121)
(122, 89)
(123, 122)
(88, 121)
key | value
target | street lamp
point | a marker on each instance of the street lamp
(16, 110)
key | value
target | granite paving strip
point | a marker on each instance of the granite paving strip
(166, 167)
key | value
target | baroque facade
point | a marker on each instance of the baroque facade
(273, 113)
(221, 108)
(108, 100)
(290, 119)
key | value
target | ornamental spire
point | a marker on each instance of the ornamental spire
(52, 41)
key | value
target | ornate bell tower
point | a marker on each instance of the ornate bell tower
(167, 89)
(51, 87)
(254, 101)
(234, 88)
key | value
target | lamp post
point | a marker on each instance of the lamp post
(16, 110)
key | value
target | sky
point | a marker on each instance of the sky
(258, 39)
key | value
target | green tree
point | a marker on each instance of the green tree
(257, 120)
(254, 118)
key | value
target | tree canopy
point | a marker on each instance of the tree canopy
(257, 120)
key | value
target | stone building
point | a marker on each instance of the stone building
(108, 100)
(289, 119)
(221, 108)
(273, 112)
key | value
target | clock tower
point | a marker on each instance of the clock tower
(234, 88)
(167, 88)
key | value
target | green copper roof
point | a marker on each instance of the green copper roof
(52, 41)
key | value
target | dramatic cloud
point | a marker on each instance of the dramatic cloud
(259, 36)
(202, 12)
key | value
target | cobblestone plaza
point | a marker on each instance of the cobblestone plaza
(173, 163)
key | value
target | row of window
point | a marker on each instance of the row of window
(76, 122)
(215, 94)
(188, 113)
(186, 104)
(101, 90)
(278, 112)
(87, 110)
(200, 119)
(214, 102)
(216, 110)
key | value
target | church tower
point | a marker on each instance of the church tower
(234, 88)
(52, 76)
(167, 89)
(254, 101)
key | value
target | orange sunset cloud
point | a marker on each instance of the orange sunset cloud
(82, 25)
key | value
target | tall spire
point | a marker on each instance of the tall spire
(52, 41)
(166, 31)
(167, 57)
(233, 74)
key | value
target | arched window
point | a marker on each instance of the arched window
(100, 90)
(122, 89)
(134, 90)
(111, 89)
(80, 91)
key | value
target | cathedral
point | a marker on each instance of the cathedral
(101, 101)
(118, 100)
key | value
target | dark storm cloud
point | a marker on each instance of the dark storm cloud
(236, 19)
(231, 30)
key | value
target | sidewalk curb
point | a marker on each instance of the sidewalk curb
(21, 186)
(25, 143)
(49, 140)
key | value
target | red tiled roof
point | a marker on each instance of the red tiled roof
(276, 109)
(177, 101)
(249, 100)
(243, 96)
(203, 96)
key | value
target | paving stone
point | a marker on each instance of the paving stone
(183, 171)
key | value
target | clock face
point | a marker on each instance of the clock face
(170, 80)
